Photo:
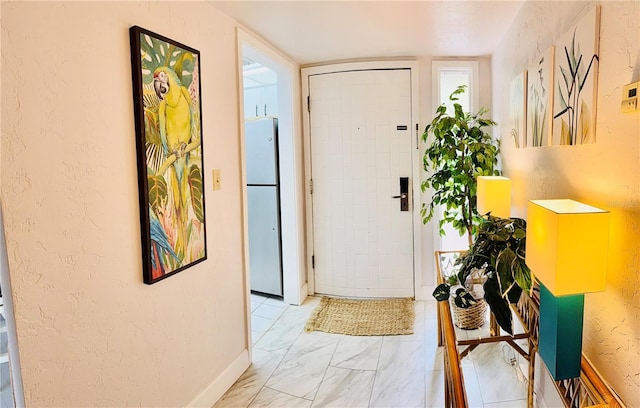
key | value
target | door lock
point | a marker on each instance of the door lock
(404, 194)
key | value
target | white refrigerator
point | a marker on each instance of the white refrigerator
(263, 196)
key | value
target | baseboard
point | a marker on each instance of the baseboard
(212, 393)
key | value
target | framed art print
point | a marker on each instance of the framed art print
(576, 81)
(167, 108)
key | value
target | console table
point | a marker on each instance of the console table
(587, 390)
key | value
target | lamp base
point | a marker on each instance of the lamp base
(560, 337)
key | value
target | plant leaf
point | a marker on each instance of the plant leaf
(565, 134)
(519, 233)
(156, 53)
(504, 261)
(184, 68)
(522, 274)
(586, 74)
(498, 305)
(464, 299)
(157, 191)
(197, 195)
(442, 292)
(514, 294)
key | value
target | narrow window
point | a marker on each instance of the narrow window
(448, 75)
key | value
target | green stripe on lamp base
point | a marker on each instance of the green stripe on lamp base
(560, 336)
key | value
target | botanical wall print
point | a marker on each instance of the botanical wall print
(576, 75)
(539, 97)
(166, 96)
(517, 98)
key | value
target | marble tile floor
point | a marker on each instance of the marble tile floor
(265, 310)
(292, 368)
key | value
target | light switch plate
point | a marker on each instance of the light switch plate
(629, 105)
(630, 98)
(216, 179)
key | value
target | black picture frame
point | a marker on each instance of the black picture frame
(168, 128)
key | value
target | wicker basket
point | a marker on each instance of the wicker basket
(471, 317)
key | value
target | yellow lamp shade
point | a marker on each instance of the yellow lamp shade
(494, 195)
(567, 243)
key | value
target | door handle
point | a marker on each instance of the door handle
(404, 194)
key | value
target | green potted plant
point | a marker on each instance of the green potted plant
(499, 253)
(460, 151)
(468, 307)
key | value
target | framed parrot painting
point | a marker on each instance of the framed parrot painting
(167, 108)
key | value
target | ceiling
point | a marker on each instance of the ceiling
(320, 31)
(256, 75)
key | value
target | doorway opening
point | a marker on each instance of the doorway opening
(260, 88)
(268, 86)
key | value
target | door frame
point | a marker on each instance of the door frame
(291, 194)
(412, 65)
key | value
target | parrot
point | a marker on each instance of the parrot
(159, 245)
(175, 120)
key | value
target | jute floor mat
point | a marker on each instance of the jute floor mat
(363, 317)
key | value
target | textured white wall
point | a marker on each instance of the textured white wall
(605, 174)
(90, 332)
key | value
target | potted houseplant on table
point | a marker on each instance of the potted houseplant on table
(460, 151)
(498, 255)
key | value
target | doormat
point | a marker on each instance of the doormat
(363, 317)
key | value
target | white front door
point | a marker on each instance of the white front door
(360, 132)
